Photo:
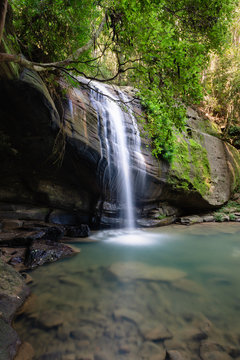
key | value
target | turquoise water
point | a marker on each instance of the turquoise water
(139, 295)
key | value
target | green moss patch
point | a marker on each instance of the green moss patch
(190, 168)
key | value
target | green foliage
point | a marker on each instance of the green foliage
(227, 212)
(161, 217)
(172, 40)
(232, 217)
(219, 217)
(51, 30)
(234, 130)
(222, 81)
(231, 206)
(164, 44)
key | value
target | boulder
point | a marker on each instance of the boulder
(44, 251)
(13, 292)
(190, 220)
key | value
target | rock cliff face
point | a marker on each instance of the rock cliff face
(51, 157)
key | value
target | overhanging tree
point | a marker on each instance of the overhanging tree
(162, 45)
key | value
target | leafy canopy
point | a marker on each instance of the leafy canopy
(222, 82)
(164, 44)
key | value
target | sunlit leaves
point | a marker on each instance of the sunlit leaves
(167, 42)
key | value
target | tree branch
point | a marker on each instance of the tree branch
(4, 57)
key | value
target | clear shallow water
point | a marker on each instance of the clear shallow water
(135, 295)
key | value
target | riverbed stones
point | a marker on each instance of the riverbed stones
(208, 218)
(188, 286)
(102, 355)
(152, 351)
(51, 319)
(155, 332)
(128, 314)
(210, 350)
(83, 333)
(177, 355)
(130, 271)
(190, 220)
(25, 352)
(9, 341)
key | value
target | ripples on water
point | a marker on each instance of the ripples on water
(135, 295)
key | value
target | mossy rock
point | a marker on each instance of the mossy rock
(190, 169)
(205, 165)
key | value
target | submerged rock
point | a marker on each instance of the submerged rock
(156, 332)
(50, 319)
(9, 341)
(25, 352)
(188, 286)
(177, 355)
(152, 351)
(128, 314)
(130, 271)
(213, 351)
(83, 333)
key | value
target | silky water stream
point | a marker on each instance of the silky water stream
(136, 294)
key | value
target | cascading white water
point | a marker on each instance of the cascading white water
(135, 145)
(115, 146)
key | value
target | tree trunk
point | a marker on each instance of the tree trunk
(3, 13)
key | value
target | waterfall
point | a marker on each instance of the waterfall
(118, 147)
